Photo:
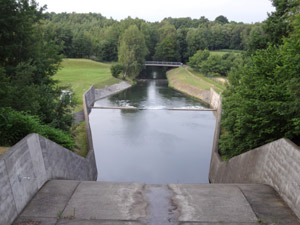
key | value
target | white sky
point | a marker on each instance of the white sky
(248, 11)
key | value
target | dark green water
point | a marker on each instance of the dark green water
(152, 144)
(151, 94)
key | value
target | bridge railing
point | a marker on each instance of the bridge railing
(163, 63)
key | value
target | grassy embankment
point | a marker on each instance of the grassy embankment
(224, 51)
(192, 83)
(80, 74)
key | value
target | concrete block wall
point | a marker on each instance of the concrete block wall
(275, 164)
(28, 165)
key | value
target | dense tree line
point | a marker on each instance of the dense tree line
(92, 35)
(262, 101)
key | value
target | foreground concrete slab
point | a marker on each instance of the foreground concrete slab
(107, 201)
(267, 205)
(212, 203)
(62, 202)
(51, 200)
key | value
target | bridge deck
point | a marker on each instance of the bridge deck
(165, 64)
(88, 203)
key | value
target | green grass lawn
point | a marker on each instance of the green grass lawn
(185, 80)
(80, 74)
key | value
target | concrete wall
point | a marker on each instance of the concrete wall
(214, 100)
(275, 164)
(28, 165)
(110, 90)
(89, 98)
(88, 101)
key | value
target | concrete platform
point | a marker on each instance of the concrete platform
(90, 203)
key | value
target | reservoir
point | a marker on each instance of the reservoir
(152, 144)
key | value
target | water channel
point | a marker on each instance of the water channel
(152, 144)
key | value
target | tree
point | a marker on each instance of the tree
(132, 51)
(261, 103)
(257, 39)
(28, 59)
(278, 24)
(251, 116)
(182, 44)
(196, 60)
(151, 36)
(214, 65)
(221, 19)
(166, 50)
(199, 39)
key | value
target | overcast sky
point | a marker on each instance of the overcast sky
(248, 11)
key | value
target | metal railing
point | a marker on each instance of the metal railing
(161, 63)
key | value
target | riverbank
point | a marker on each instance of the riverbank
(191, 83)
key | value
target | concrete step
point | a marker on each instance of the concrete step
(88, 203)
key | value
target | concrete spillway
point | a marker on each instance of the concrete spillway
(86, 203)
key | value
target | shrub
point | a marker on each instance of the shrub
(116, 69)
(58, 136)
(16, 125)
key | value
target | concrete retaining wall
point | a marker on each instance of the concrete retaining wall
(110, 90)
(276, 164)
(28, 165)
(89, 98)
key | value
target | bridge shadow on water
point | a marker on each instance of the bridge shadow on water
(153, 72)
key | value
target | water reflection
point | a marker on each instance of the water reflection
(151, 94)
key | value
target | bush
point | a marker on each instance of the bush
(58, 136)
(116, 69)
(16, 125)
(214, 65)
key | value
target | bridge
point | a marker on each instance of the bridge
(161, 63)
